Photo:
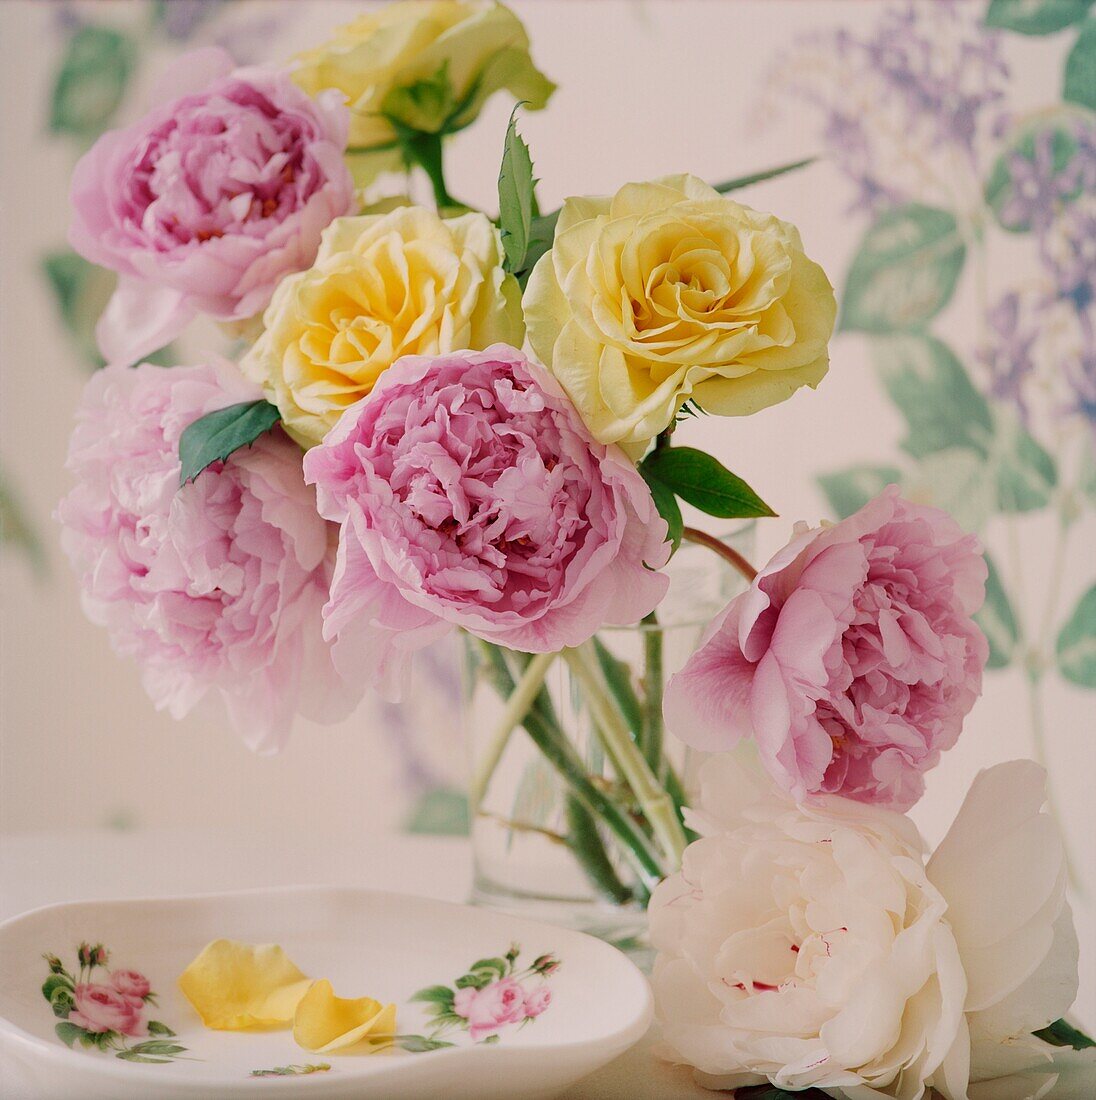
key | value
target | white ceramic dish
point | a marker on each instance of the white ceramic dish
(385, 946)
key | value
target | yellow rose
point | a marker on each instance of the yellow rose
(670, 291)
(429, 65)
(382, 286)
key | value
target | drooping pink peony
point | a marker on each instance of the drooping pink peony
(205, 203)
(490, 1009)
(218, 585)
(100, 1008)
(851, 660)
(470, 493)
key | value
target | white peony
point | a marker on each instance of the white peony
(812, 946)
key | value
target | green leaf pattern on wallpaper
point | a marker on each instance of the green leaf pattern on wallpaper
(999, 422)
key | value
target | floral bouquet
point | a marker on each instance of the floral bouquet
(381, 462)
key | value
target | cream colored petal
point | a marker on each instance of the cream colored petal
(1001, 869)
(756, 391)
(580, 208)
(574, 363)
(235, 986)
(573, 243)
(637, 200)
(546, 310)
(324, 1022)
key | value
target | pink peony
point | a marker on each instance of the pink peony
(131, 984)
(490, 1009)
(203, 205)
(470, 493)
(538, 1000)
(218, 585)
(100, 1008)
(851, 660)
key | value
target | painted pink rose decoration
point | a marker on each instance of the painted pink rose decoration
(490, 1009)
(471, 494)
(205, 203)
(100, 1008)
(851, 660)
(537, 1000)
(131, 984)
(214, 587)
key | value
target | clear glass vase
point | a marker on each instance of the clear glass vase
(559, 829)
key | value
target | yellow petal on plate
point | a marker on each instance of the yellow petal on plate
(325, 1022)
(234, 986)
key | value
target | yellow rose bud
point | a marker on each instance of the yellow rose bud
(668, 291)
(429, 66)
(383, 286)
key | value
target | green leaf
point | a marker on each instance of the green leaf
(133, 1056)
(419, 1044)
(293, 1071)
(475, 979)
(541, 237)
(904, 272)
(516, 200)
(667, 506)
(498, 965)
(1026, 474)
(933, 392)
(157, 1028)
(771, 1092)
(1064, 1034)
(213, 437)
(1035, 16)
(1059, 127)
(62, 1002)
(766, 174)
(55, 982)
(849, 490)
(70, 1033)
(17, 531)
(704, 482)
(91, 82)
(957, 480)
(157, 1046)
(1079, 78)
(81, 291)
(440, 995)
(1077, 643)
(440, 812)
(997, 620)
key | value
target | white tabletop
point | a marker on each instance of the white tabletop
(42, 868)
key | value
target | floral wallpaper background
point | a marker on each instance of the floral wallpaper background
(953, 204)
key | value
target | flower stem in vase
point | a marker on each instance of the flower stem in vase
(656, 804)
(618, 680)
(518, 704)
(651, 742)
(546, 735)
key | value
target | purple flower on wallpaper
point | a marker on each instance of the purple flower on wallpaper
(1008, 355)
(1081, 375)
(903, 97)
(1046, 177)
(179, 19)
(1073, 263)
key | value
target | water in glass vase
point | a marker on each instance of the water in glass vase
(577, 788)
